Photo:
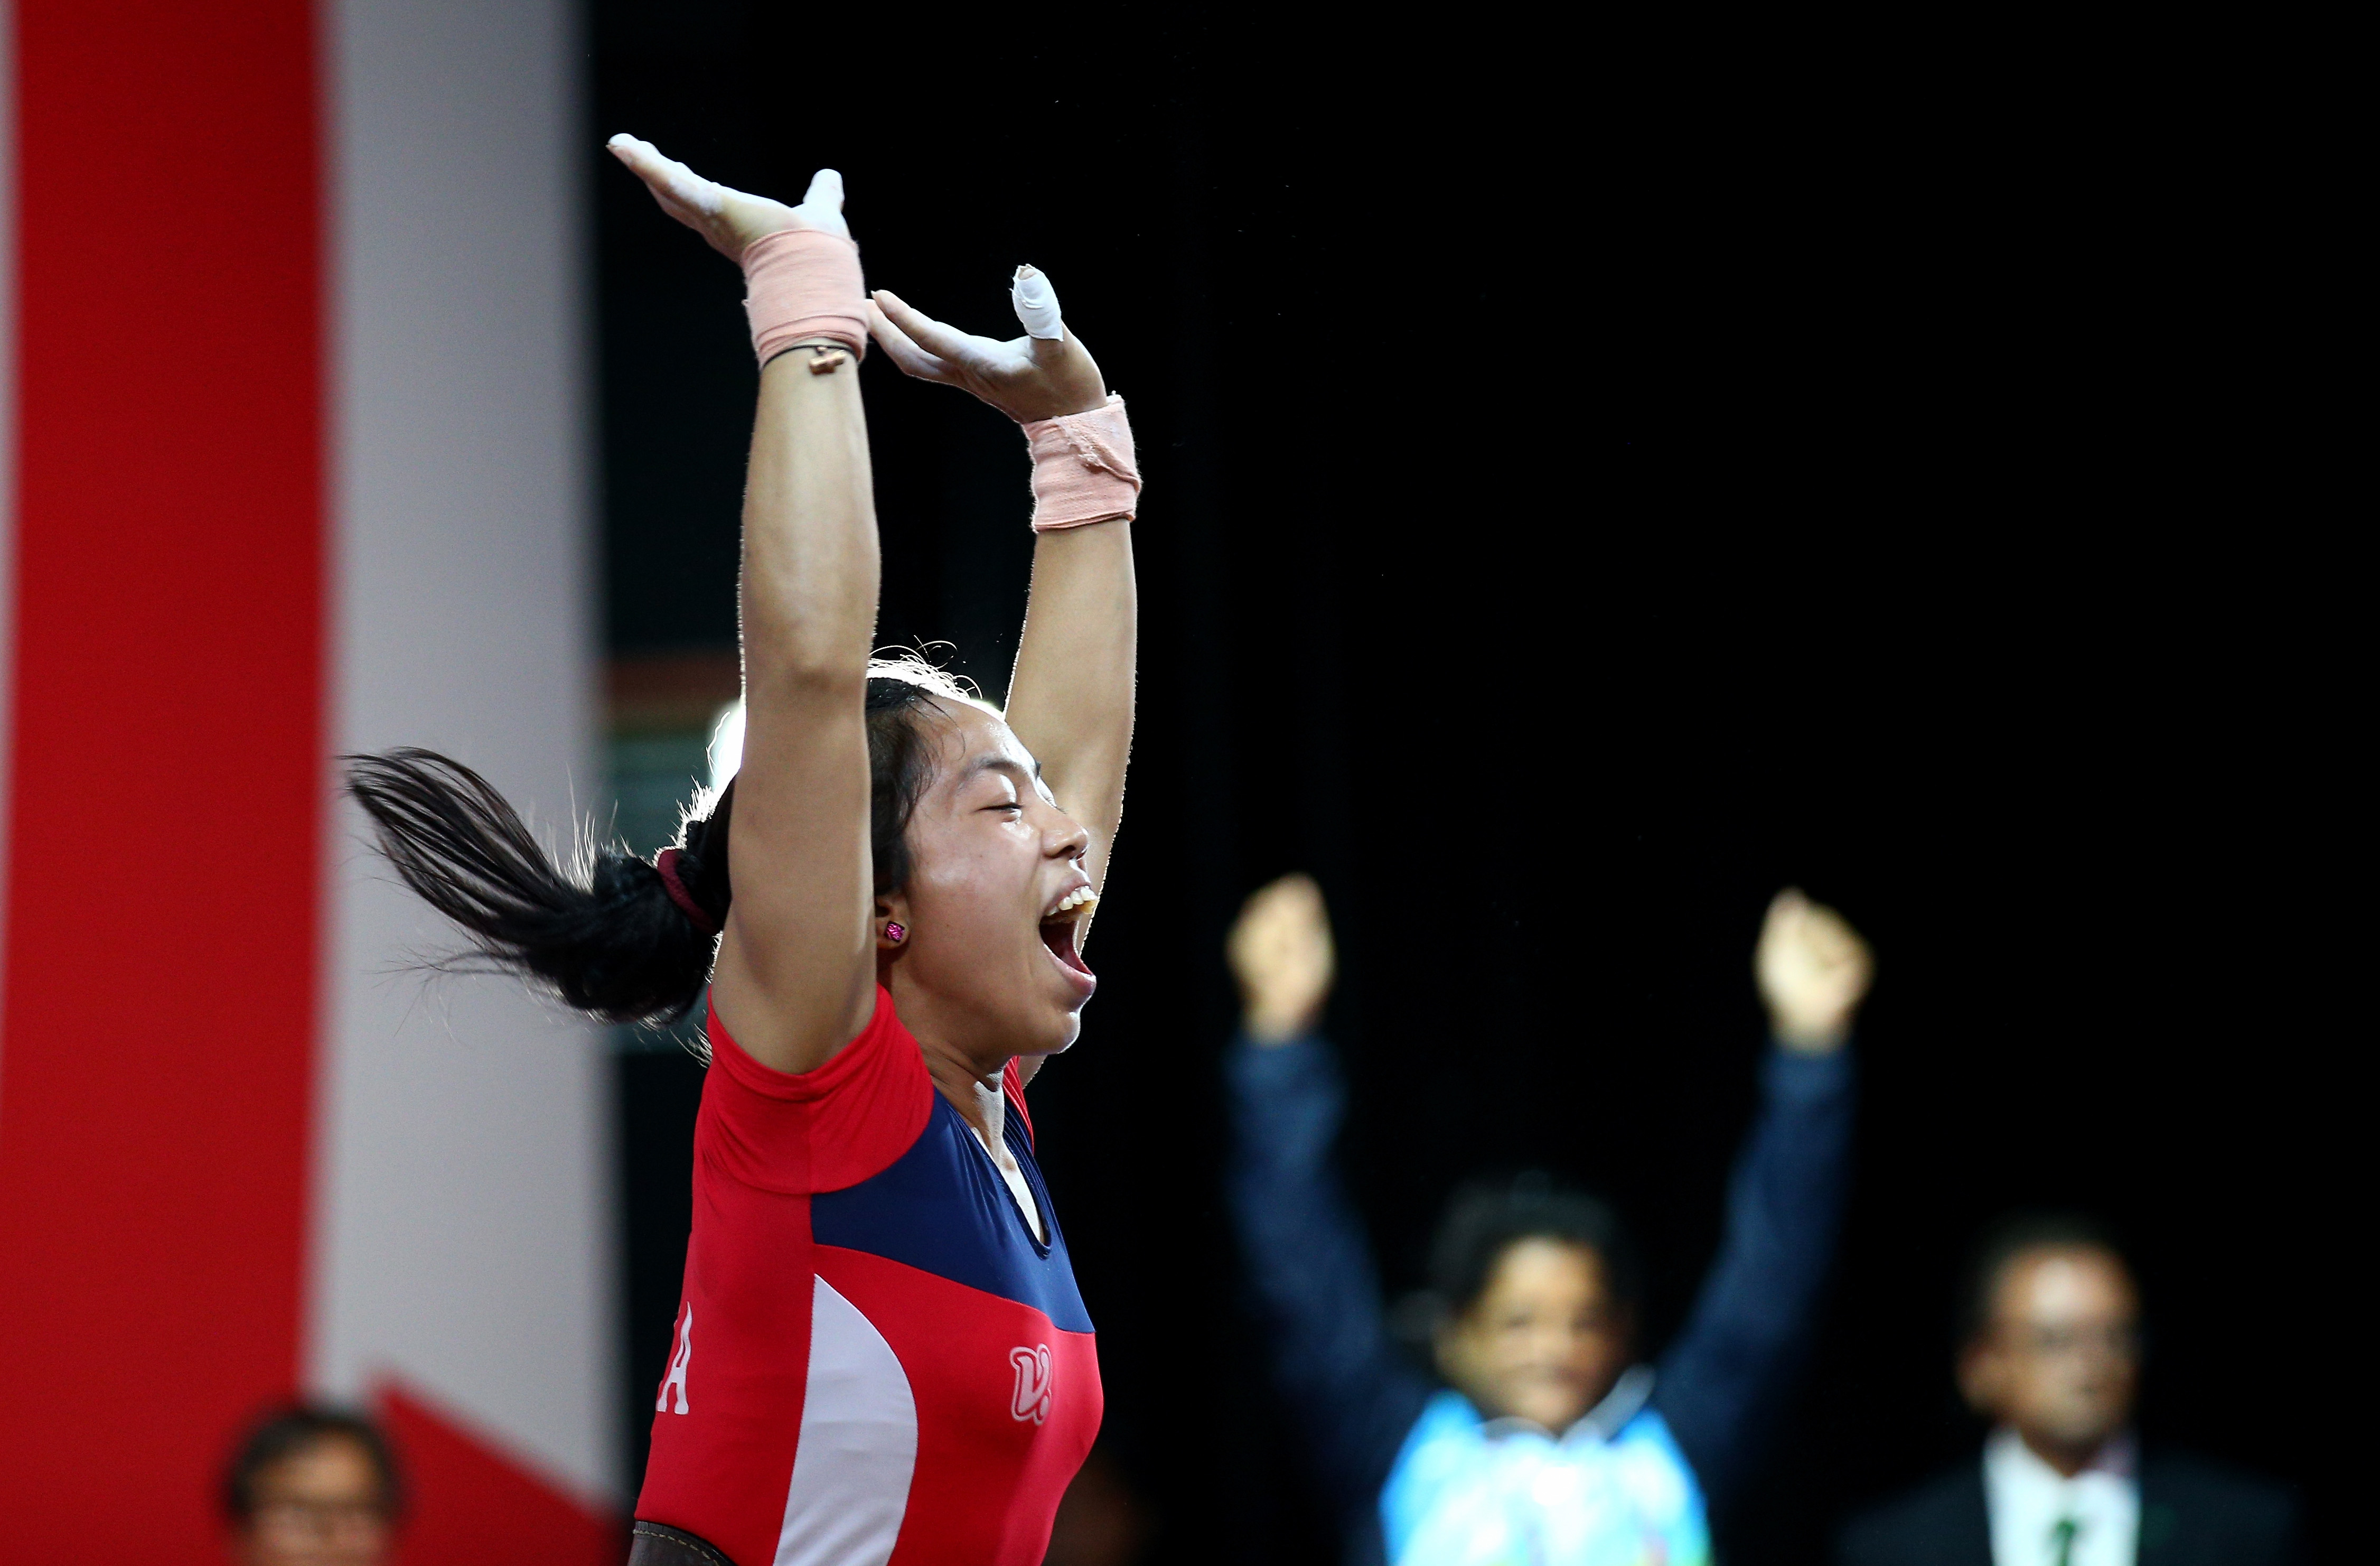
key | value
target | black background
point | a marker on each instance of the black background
(1585, 491)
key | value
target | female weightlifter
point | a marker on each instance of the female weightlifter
(881, 1355)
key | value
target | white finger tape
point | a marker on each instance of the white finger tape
(1036, 304)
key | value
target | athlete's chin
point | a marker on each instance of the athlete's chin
(1064, 1029)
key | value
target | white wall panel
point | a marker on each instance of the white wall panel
(465, 1217)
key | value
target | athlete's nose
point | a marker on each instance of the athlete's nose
(1068, 839)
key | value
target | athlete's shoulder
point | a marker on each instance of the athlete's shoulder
(802, 1132)
(883, 1046)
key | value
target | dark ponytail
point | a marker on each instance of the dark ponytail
(605, 933)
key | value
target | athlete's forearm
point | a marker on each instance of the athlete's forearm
(1070, 697)
(808, 595)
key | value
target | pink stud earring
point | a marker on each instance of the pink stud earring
(896, 934)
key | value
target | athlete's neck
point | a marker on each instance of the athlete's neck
(969, 1078)
(976, 1094)
(984, 1106)
(973, 1086)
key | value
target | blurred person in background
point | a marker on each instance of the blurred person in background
(2050, 1354)
(1549, 1441)
(312, 1486)
(881, 1345)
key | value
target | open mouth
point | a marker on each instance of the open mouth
(1060, 926)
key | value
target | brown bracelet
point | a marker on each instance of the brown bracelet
(827, 355)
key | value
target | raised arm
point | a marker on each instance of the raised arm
(1720, 1382)
(795, 976)
(1304, 1246)
(1069, 698)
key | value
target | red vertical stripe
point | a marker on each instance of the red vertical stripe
(159, 1012)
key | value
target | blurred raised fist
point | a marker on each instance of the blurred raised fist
(1281, 952)
(1814, 972)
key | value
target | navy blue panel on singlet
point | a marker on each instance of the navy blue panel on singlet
(943, 1209)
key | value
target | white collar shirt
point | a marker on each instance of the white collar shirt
(2028, 1501)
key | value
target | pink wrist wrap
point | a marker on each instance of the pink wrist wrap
(1083, 468)
(800, 286)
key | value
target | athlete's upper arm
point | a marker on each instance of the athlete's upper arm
(796, 979)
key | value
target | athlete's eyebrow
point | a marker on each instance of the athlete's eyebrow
(994, 762)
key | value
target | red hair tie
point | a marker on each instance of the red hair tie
(666, 863)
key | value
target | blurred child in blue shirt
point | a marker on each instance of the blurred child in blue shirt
(1547, 1444)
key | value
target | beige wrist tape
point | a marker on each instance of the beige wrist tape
(802, 284)
(1083, 468)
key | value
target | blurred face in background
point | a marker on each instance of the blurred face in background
(1544, 1342)
(320, 1505)
(2059, 1357)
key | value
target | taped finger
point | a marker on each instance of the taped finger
(1036, 303)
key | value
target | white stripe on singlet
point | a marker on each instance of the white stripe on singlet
(858, 1444)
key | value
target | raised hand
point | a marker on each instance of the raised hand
(730, 219)
(1282, 954)
(1026, 378)
(1814, 972)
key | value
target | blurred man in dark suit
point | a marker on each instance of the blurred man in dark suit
(2051, 1354)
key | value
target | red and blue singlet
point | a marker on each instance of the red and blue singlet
(876, 1362)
